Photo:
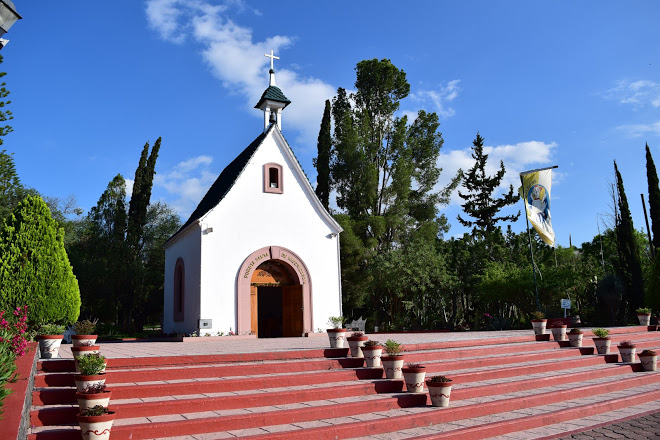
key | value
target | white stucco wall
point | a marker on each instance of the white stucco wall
(248, 219)
(187, 247)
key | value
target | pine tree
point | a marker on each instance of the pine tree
(479, 201)
(654, 197)
(34, 267)
(630, 266)
(322, 160)
(5, 115)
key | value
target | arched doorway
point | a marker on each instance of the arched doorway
(273, 294)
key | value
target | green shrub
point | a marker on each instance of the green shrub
(91, 364)
(34, 267)
(442, 379)
(50, 329)
(97, 410)
(85, 327)
(643, 310)
(392, 347)
(601, 332)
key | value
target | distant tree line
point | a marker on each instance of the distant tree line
(399, 270)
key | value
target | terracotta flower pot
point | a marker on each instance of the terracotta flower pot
(49, 345)
(83, 340)
(644, 318)
(559, 333)
(337, 337)
(96, 427)
(392, 366)
(539, 326)
(372, 355)
(649, 361)
(414, 379)
(86, 400)
(575, 339)
(355, 343)
(83, 383)
(602, 345)
(439, 392)
(627, 353)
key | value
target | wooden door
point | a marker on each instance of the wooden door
(292, 311)
(254, 314)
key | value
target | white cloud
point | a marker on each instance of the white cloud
(516, 157)
(439, 100)
(186, 183)
(637, 93)
(639, 130)
(129, 188)
(238, 61)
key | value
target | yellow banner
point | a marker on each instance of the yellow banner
(535, 191)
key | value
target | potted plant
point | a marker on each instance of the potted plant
(559, 332)
(355, 343)
(336, 334)
(538, 322)
(95, 423)
(575, 337)
(649, 360)
(93, 396)
(602, 341)
(439, 390)
(50, 338)
(372, 351)
(627, 351)
(82, 351)
(91, 375)
(413, 376)
(393, 361)
(84, 333)
(644, 316)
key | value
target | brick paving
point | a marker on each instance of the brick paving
(639, 428)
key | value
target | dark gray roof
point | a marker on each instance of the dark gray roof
(273, 93)
(224, 182)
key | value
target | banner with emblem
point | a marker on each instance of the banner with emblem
(535, 191)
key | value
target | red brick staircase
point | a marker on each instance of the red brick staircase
(501, 386)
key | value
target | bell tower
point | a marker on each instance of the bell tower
(272, 101)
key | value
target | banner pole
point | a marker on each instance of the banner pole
(531, 250)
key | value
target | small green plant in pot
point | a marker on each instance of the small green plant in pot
(97, 420)
(336, 334)
(627, 351)
(372, 351)
(649, 360)
(539, 322)
(413, 376)
(644, 316)
(355, 343)
(50, 338)
(85, 333)
(91, 375)
(439, 390)
(602, 340)
(393, 361)
(575, 337)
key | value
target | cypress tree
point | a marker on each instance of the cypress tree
(630, 266)
(34, 267)
(654, 197)
(322, 160)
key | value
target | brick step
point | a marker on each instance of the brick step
(489, 418)
(46, 415)
(560, 359)
(343, 409)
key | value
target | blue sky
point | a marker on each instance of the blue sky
(574, 84)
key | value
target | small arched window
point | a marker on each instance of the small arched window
(273, 182)
(179, 290)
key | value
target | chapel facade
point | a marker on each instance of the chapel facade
(260, 253)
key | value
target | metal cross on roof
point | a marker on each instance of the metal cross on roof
(272, 57)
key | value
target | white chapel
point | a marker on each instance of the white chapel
(260, 253)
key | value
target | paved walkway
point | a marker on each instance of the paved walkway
(646, 427)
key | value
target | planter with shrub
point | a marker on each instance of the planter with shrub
(337, 334)
(393, 361)
(627, 351)
(84, 333)
(602, 340)
(575, 337)
(95, 423)
(439, 390)
(649, 360)
(372, 351)
(50, 338)
(355, 343)
(413, 376)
